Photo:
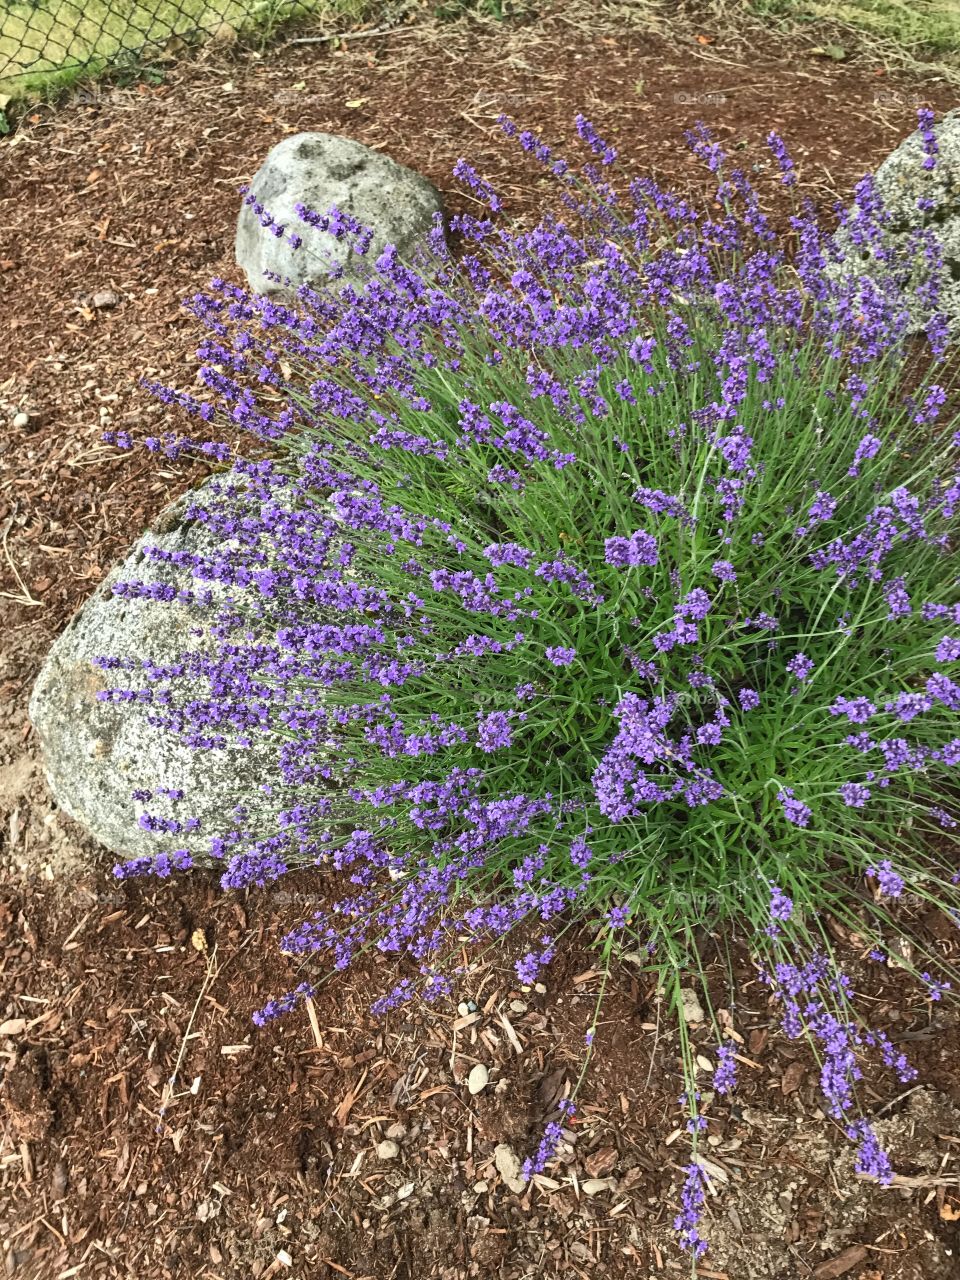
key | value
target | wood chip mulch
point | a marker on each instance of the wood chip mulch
(148, 1130)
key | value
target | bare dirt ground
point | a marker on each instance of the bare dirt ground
(268, 1161)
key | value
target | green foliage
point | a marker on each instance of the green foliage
(709, 863)
(933, 25)
(498, 9)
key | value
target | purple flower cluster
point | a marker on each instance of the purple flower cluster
(596, 144)
(639, 550)
(725, 1075)
(494, 731)
(781, 906)
(794, 810)
(800, 666)
(787, 174)
(687, 1221)
(928, 137)
(550, 1141)
(539, 529)
(870, 1159)
(559, 656)
(646, 737)
(815, 998)
(888, 881)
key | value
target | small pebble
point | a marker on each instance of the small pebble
(397, 1130)
(690, 1006)
(517, 1006)
(509, 1168)
(59, 1180)
(21, 419)
(463, 1008)
(387, 1150)
(477, 1079)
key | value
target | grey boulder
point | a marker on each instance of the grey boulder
(96, 752)
(916, 197)
(321, 170)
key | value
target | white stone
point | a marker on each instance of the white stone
(900, 181)
(593, 1186)
(509, 1167)
(321, 170)
(95, 753)
(690, 1005)
(387, 1150)
(477, 1079)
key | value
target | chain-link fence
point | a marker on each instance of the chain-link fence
(49, 42)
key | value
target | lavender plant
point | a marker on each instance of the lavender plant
(600, 573)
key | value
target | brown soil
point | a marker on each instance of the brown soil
(264, 1162)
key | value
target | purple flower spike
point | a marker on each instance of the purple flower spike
(468, 175)
(781, 906)
(935, 988)
(494, 731)
(687, 1221)
(889, 883)
(776, 144)
(928, 137)
(870, 1159)
(617, 917)
(552, 1135)
(801, 667)
(794, 810)
(596, 144)
(855, 794)
(628, 553)
(559, 656)
(725, 1075)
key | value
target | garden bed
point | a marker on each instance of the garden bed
(270, 1166)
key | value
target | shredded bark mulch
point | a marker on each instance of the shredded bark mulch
(148, 1129)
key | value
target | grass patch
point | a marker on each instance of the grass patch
(931, 26)
(48, 47)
